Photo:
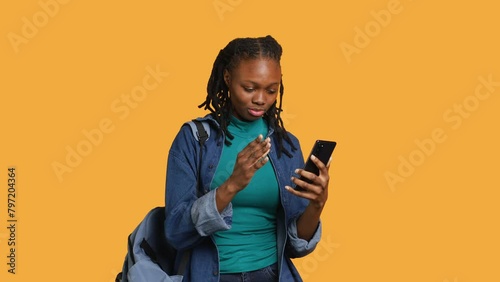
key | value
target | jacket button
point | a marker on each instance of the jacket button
(215, 273)
(211, 166)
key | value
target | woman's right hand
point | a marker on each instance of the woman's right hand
(249, 160)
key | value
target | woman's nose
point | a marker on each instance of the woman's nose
(258, 98)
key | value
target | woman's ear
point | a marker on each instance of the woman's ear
(227, 77)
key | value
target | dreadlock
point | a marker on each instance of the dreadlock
(217, 100)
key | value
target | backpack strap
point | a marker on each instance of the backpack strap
(201, 132)
(200, 129)
(149, 252)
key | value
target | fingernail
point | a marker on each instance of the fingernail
(297, 171)
(313, 157)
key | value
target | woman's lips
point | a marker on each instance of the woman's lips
(256, 112)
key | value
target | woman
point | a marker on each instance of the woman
(249, 222)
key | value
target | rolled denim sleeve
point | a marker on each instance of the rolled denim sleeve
(300, 247)
(207, 219)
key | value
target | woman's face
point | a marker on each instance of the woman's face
(253, 87)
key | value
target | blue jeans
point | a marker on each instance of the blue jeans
(266, 274)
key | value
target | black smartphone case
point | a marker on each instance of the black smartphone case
(323, 150)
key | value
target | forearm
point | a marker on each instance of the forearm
(225, 194)
(308, 222)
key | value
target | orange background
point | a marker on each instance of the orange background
(414, 189)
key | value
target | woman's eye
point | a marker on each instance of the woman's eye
(248, 89)
(271, 91)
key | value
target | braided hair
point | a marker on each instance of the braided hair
(217, 100)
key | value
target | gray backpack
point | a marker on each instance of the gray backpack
(150, 257)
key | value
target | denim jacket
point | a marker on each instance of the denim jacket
(191, 220)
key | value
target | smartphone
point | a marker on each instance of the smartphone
(323, 150)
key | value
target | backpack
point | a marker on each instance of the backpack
(150, 257)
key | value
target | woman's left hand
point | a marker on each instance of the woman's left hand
(317, 190)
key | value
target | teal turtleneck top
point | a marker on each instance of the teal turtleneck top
(250, 244)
